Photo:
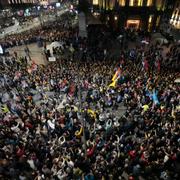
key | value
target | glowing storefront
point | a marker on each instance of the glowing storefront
(138, 14)
(175, 19)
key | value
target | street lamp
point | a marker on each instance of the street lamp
(115, 18)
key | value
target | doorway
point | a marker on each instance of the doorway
(133, 24)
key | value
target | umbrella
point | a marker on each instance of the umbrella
(177, 80)
(56, 44)
(145, 42)
(37, 97)
(5, 97)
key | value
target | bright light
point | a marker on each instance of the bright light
(115, 18)
(95, 2)
(1, 50)
(96, 13)
(58, 5)
(71, 6)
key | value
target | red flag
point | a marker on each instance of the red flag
(34, 66)
(146, 65)
(71, 90)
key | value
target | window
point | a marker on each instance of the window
(131, 2)
(176, 17)
(140, 2)
(95, 2)
(150, 18)
(157, 21)
(135, 2)
(103, 4)
(159, 4)
(150, 23)
(100, 3)
(122, 2)
(149, 2)
(112, 4)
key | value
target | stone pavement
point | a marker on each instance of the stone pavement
(36, 23)
(36, 53)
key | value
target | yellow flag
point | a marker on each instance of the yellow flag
(92, 113)
(145, 107)
(113, 84)
(5, 108)
(114, 77)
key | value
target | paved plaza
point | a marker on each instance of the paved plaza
(36, 53)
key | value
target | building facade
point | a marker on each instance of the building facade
(175, 18)
(9, 2)
(20, 3)
(15, 3)
(47, 2)
(137, 14)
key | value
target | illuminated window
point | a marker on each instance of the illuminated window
(133, 23)
(150, 18)
(159, 4)
(122, 2)
(95, 2)
(104, 4)
(149, 2)
(157, 21)
(149, 27)
(150, 23)
(173, 15)
(100, 3)
(176, 17)
(140, 2)
(131, 3)
(112, 4)
(135, 2)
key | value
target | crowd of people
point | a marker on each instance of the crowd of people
(63, 120)
(49, 32)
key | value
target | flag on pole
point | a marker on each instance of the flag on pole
(91, 113)
(117, 74)
(115, 78)
(5, 109)
(154, 97)
(146, 65)
(113, 84)
(72, 89)
(33, 66)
